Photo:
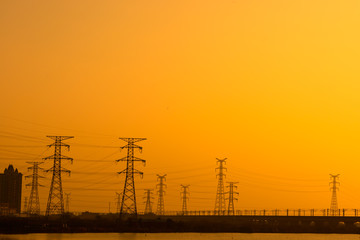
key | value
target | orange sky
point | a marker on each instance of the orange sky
(271, 85)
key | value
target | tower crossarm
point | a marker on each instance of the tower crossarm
(58, 141)
(61, 170)
(60, 157)
(135, 171)
(134, 140)
(135, 159)
(161, 185)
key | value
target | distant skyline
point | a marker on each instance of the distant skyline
(273, 86)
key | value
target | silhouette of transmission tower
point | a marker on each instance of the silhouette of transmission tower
(67, 202)
(33, 206)
(231, 192)
(25, 205)
(334, 188)
(160, 207)
(128, 203)
(220, 194)
(55, 204)
(184, 196)
(118, 202)
(148, 202)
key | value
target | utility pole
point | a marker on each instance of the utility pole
(333, 189)
(55, 204)
(118, 200)
(161, 185)
(231, 192)
(184, 196)
(67, 202)
(220, 193)
(128, 203)
(34, 203)
(148, 202)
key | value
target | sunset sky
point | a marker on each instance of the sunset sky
(274, 86)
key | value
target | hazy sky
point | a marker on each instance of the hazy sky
(271, 85)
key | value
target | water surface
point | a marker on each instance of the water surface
(178, 236)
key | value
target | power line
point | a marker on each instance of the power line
(54, 127)
(279, 178)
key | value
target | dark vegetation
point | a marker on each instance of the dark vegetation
(154, 224)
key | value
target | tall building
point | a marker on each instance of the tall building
(10, 190)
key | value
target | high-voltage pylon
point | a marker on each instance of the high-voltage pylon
(148, 202)
(231, 192)
(220, 193)
(161, 185)
(184, 197)
(67, 202)
(333, 189)
(128, 203)
(55, 204)
(118, 202)
(25, 205)
(33, 206)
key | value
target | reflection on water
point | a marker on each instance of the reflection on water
(178, 236)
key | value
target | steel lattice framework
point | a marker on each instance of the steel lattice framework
(33, 206)
(231, 198)
(67, 202)
(220, 193)
(55, 204)
(118, 200)
(128, 203)
(161, 192)
(148, 202)
(333, 189)
(25, 205)
(184, 197)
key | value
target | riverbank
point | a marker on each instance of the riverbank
(168, 224)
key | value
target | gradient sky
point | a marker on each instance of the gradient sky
(271, 85)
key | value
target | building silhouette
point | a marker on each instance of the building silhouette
(10, 190)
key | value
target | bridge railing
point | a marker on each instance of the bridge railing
(269, 212)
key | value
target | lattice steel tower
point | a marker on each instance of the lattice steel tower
(33, 206)
(161, 185)
(333, 189)
(148, 202)
(220, 193)
(231, 192)
(184, 197)
(128, 203)
(25, 205)
(67, 202)
(118, 201)
(55, 204)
